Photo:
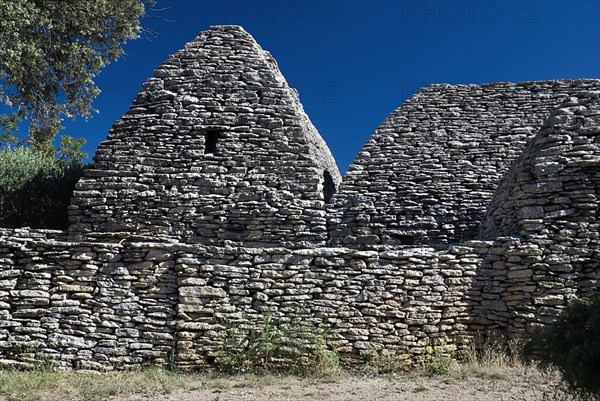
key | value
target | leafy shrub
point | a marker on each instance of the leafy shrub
(35, 191)
(438, 361)
(572, 345)
(291, 347)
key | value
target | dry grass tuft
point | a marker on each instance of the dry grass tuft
(45, 384)
(484, 370)
(493, 361)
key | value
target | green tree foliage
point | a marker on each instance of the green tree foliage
(50, 51)
(35, 191)
(572, 345)
(8, 126)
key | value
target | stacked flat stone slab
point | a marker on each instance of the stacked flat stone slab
(216, 149)
(429, 171)
(550, 195)
(85, 305)
(92, 305)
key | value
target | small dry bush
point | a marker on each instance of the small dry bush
(491, 361)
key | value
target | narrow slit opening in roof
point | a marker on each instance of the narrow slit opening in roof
(328, 186)
(210, 141)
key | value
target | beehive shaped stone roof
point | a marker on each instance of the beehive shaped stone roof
(429, 171)
(216, 150)
(551, 194)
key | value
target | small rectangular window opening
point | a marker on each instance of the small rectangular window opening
(406, 239)
(210, 141)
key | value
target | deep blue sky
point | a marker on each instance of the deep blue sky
(354, 62)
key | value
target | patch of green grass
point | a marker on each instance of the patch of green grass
(29, 385)
(486, 366)
(47, 384)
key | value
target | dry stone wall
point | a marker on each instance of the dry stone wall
(522, 286)
(106, 305)
(550, 195)
(429, 171)
(84, 305)
(217, 150)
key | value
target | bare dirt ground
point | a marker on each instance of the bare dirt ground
(527, 388)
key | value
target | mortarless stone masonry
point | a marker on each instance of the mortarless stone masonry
(215, 150)
(429, 171)
(206, 207)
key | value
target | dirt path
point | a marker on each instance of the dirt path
(357, 388)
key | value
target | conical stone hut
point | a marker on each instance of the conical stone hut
(216, 150)
(428, 173)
